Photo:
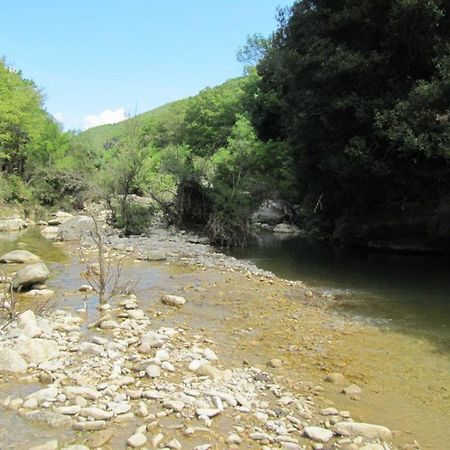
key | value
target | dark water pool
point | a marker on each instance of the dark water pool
(406, 292)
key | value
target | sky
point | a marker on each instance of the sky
(99, 60)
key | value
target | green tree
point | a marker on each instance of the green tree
(355, 88)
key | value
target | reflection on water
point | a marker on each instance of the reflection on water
(407, 292)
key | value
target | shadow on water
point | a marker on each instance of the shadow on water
(408, 293)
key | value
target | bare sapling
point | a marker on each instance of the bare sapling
(102, 270)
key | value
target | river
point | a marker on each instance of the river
(407, 293)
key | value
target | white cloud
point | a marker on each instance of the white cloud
(107, 116)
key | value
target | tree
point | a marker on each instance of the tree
(339, 83)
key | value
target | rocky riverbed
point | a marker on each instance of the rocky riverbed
(217, 354)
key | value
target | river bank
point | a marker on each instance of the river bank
(274, 339)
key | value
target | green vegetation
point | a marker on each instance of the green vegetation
(360, 90)
(343, 114)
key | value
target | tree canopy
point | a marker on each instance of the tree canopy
(359, 90)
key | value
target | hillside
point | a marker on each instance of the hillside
(161, 124)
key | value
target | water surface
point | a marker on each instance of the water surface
(410, 293)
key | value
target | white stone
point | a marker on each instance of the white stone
(137, 440)
(11, 361)
(366, 430)
(153, 371)
(19, 257)
(318, 434)
(37, 350)
(96, 413)
(207, 412)
(175, 405)
(173, 300)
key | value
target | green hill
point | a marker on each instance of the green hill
(167, 124)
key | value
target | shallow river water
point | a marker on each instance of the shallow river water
(402, 364)
(408, 293)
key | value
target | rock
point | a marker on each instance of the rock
(209, 355)
(174, 444)
(31, 403)
(98, 439)
(137, 440)
(234, 439)
(109, 325)
(91, 348)
(82, 391)
(335, 378)
(29, 275)
(154, 255)
(49, 445)
(153, 371)
(318, 434)
(76, 228)
(270, 212)
(352, 390)
(274, 363)
(69, 410)
(45, 395)
(12, 224)
(37, 350)
(49, 232)
(96, 413)
(173, 300)
(11, 361)
(19, 257)
(209, 371)
(39, 293)
(89, 426)
(85, 288)
(59, 217)
(286, 228)
(329, 412)
(153, 339)
(28, 324)
(366, 430)
(175, 405)
(75, 447)
(372, 447)
(207, 412)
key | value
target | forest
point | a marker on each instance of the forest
(342, 115)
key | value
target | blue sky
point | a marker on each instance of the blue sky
(97, 56)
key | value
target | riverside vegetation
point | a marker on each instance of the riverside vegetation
(342, 117)
(339, 128)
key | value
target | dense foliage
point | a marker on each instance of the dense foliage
(39, 164)
(360, 92)
(346, 117)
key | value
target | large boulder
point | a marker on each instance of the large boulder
(29, 275)
(270, 212)
(12, 224)
(19, 257)
(11, 361)
(77, 228)
(37, 350)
